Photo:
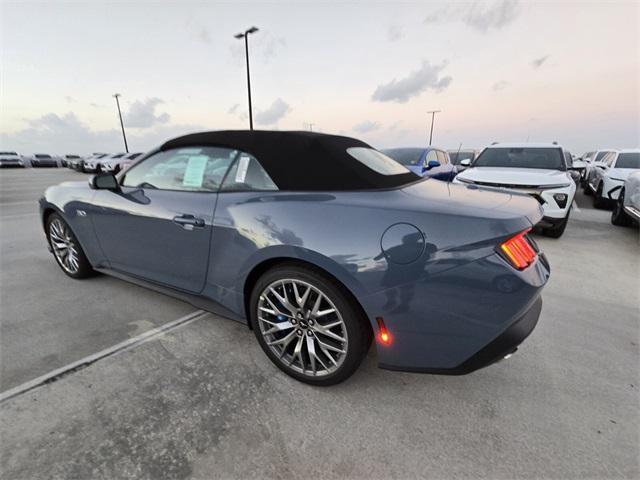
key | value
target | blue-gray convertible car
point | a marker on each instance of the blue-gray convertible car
(319, 243)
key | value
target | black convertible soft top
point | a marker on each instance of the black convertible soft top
(306, 161)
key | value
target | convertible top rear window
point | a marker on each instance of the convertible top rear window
(307, 161)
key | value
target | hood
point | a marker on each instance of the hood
(621, 173)
(506, 176)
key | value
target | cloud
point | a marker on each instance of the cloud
(537, 63)
(198, 31)
(278, 109)
(394, 33)
(65, 133)
(69, 99)
(426, 77)
(262, 45)
(233, 109)
(366, 126)
(501, 85)
(142, 114)
(481, 15)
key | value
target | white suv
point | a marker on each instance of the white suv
(539, 170)
(608, 177)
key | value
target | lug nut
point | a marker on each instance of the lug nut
(310, 333)
(293, 321)
(311, 321)
(299, 332)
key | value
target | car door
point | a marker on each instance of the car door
(158, 226)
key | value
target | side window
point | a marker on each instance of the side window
(442, 157)
(431, 155)
(610, 158)
(246, 173)
(192, 169)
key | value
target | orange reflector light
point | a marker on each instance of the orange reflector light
(384, 337)
(518, 251)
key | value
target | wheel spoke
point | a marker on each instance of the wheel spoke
(298, 340)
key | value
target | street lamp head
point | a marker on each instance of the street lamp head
(252, 30)
(116, 95)
(239, 35)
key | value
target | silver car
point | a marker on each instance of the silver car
(627, 208)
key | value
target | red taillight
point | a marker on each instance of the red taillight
(384, 337)
(518, 251)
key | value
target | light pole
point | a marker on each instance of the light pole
(116, 95)
(245, 35)
(433, 115)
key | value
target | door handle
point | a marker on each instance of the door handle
(188, 222)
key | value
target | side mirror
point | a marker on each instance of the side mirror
(104, 181)
(431, 164)
(465, 163)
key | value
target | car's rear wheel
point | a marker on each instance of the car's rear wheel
(619, 217)
(308, 326)
(598, 200)
(66, 249)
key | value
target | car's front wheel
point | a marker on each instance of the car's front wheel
(308, 326)
(557, 230)
(66, 249)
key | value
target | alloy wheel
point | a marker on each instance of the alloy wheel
(64, 246)
(302, 327)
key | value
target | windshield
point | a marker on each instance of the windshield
(405, 156)
(545, 158)
(42, 155)
(9, 153)
(599, 156)
(456, 157)
(628, 160)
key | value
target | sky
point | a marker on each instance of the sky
(498, 70)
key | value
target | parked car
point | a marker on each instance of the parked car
(627, 208)
(587, 157)
(426, 162)
(575, 166)
(319, 243)
(94, 164)
(11, 159)
(538, 170)
(115, 164)
(607, 178)
(66, 160)
(78, 165)
(596, 160)
(43, 160)
(457, 156)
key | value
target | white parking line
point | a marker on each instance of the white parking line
(86, 361)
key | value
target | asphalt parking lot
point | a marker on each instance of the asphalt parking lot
(202, 400)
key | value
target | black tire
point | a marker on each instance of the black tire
(586, 188)
(83, 269)
(619, 217)
(357, 328)
(598, 200)
(557, 230)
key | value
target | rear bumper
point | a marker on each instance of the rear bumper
(505, 344)
(450, 322)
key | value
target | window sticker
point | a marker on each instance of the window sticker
(243, 166)
(194, 173)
